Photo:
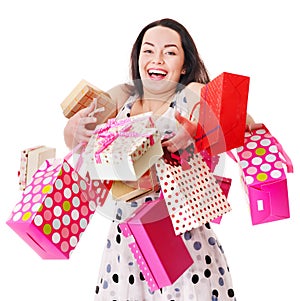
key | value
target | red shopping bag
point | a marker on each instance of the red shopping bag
(222, 115)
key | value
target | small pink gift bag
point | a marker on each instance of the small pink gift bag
(151, 237)
(261, 160)
(55, 209)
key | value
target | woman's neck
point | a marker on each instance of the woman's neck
(158, 103)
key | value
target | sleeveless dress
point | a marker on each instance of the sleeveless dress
(120, 279)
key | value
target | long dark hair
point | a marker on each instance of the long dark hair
(193, 64)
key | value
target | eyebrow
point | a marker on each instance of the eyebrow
(166, 46)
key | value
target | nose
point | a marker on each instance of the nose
(158, 58)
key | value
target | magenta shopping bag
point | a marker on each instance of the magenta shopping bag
(151, 237)
(262, 160)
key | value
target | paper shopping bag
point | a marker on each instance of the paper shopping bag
(55, 209)
(151, 237)
(193, 196)
(262, 160)
(123, 149)
(222, 115)
(82, 96)
(31, 159)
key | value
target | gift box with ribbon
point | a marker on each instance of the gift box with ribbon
(262, 160)
(150, 237)
(123, 149)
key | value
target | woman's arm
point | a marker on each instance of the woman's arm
(75, 130)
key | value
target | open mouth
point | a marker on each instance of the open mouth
(157, 74)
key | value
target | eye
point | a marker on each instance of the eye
(170, 53)
(147, 51)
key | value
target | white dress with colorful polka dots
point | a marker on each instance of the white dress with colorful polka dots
(120, 279)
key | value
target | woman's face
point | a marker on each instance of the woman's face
(161, 59)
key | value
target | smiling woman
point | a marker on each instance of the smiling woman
(167, 76)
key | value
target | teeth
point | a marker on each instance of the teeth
(154, 71)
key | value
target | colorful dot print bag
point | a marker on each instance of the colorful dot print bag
(261, 160)
(223, 111)
(192, 195)
(55, 209)
(161, 255)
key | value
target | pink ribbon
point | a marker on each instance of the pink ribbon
(110, 137)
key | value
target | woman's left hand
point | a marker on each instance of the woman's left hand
(184, 136)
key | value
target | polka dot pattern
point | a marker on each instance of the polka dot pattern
(193, 196)
(55, 209)
(201, 243)
(259, 158)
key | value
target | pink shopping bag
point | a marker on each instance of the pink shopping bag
(262, 161)
(55, 209)
(151, 237)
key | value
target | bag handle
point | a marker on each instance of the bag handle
(71, 153)
(286, 159)
(198, 102)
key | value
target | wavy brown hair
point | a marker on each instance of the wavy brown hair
(193, 64)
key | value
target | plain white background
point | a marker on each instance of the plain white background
(48, 46)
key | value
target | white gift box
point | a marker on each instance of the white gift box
(123, 149)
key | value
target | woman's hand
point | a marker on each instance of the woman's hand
(251, 124)
(75, 130)
(184, 136)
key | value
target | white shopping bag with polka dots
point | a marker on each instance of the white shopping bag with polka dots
(192, 195)
(55, 209)
(262, 160)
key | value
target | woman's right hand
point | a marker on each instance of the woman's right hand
(75, 131)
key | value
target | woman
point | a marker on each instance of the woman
(167, 75)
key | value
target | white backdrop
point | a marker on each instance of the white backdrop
(48, 46)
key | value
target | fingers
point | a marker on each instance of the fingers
(253, 126)
(190, 127)
(87, 111)
(82, 134)
(181, 140)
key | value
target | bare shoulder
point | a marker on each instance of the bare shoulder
(194, 88)
(120, 94)
(192, 91)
